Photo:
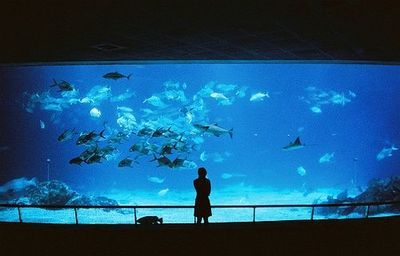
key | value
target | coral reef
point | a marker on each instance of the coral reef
(378, 190)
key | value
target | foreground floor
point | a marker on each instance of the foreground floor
(333, 237)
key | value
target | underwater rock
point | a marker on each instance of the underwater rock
(51, 192)
(97, 201)
(91, 201)
(378, 190)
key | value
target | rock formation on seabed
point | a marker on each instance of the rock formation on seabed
(378, 190)
(54, 192)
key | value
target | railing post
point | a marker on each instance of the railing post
(312, 212)
(134, 215)
(76, 216)
(367, 212)
(19, 214)
(254, 214)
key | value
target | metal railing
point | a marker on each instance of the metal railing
(254, 207)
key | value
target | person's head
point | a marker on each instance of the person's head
(202, 172)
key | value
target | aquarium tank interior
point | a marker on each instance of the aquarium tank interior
(136, 133)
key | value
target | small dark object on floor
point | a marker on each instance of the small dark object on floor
(150, 220)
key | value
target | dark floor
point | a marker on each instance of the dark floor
(344, 237)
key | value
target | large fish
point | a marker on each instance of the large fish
(214, 129)
(163, 161)
(63, 86)
(66, 135)
(116, 75)
(127, 162)
(89, 137)
(386, 152)
(259, 96)
(326, 158)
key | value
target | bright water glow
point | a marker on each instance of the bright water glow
(346, 116)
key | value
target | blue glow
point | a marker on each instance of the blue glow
(346, 115)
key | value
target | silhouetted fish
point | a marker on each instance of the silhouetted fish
(116, 75)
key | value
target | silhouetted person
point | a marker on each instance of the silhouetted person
(202, 207)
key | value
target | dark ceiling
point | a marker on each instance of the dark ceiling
(47, 31)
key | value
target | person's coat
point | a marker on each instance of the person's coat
(202, 207)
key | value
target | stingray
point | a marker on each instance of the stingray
(294, 145)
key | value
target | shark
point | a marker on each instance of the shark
(213, 129)
(294, 145)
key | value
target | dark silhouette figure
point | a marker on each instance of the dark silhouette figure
(202, 207)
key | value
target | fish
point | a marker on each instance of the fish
(163, 192)
(155, 101)
(97, 94)
(162, 161)
(53, 107)
(203, 156)
(127, 162)
(127, 121)
(63, 86)
(86, 100)
(116, 75)
(117, 138)
(155, 180)
(143, 147)
(66, 135)
(218, 96)
(189, 164)
(123, 96)
(42, 124)
(259, 96)
(89, 137)
(145, 131)
(166, 149)
(178, 162)
(125, 109)
(94, 112)
(226, 175)
(339, 99)
(301, 171)
(241, 92)
(386, 152)
(107, 151)
(76, 160)
(214, 129)
(95, 158)
(352, 94)
(326, 158)
(294, 145)
(316, 109)
(161, 132)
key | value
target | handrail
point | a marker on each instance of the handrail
(135, 207)
(191, 206)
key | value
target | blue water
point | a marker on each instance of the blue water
(356, 115)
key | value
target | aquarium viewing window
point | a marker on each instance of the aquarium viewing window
(134, 134)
